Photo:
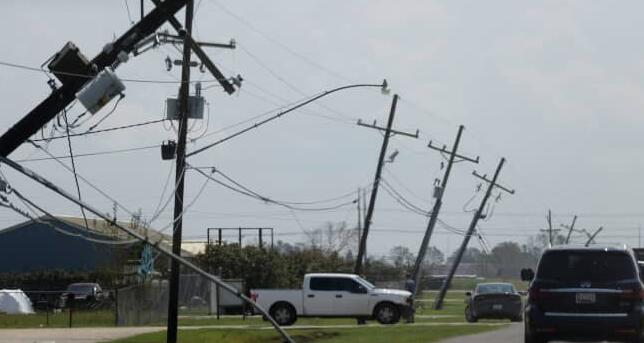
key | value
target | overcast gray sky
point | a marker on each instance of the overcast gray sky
(553, 86)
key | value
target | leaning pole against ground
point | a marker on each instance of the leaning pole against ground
(156, 245)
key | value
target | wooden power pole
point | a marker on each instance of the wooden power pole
(438, 194)
(184, 89)
(438, 303)
(374, 192)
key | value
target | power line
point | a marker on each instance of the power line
(98, 153)
(250, 193)
(100, 131)
(71, 154)
(84, 179)
(89, 76)
(280, 44)
(280, 114)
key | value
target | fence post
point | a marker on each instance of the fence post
(116, 306)
(70, 306)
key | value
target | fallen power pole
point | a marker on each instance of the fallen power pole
(438, 194)
(438, 303)
(156, 245)
(374, 192)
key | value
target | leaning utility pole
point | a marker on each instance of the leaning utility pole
(438, 303)
(184, 90)
(570, 228)
(591, 238)
(438, 194)
(376, 182)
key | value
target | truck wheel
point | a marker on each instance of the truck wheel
(387, 313)
(283, 313)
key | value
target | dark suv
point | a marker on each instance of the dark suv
(581, 293)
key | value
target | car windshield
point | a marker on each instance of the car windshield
(593, 266)
(495, 288)
(366, 283)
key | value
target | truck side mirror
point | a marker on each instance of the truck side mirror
(527, 274)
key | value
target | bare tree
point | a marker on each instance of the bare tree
(332, 237)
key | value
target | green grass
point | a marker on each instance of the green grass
(382, 334)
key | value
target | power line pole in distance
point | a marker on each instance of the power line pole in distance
(438, 303)
(570, 228)
(550, 230)
(374, 192)
(438, 194)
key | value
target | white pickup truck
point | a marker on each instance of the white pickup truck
(334, 295)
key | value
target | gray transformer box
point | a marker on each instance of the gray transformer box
(195, 108)
(100, 90)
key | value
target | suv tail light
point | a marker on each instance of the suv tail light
(632, 294)
(537, 294)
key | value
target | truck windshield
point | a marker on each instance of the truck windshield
(368, 284)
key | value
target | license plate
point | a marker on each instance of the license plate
(497, 307)
(585, 298)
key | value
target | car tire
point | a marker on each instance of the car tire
(469, 316)
(283, 313)
(387, 313)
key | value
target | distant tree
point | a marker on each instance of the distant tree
(471, 255)
(402, 257)
(434, 256)
(509, 258)
(332, 237)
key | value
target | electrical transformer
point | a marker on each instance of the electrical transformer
(99, 91)
(195, 107)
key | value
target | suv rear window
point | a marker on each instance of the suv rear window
(594, 266)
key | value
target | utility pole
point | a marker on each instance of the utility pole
(570, 228)
(550, 230)
(438, 303)
(591, 238)
(438, 194)
(184, 89)
(374, 192)
(359, 228)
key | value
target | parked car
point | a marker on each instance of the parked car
(592, 293)
(335, 295)
(493, 301)
(83, 294)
